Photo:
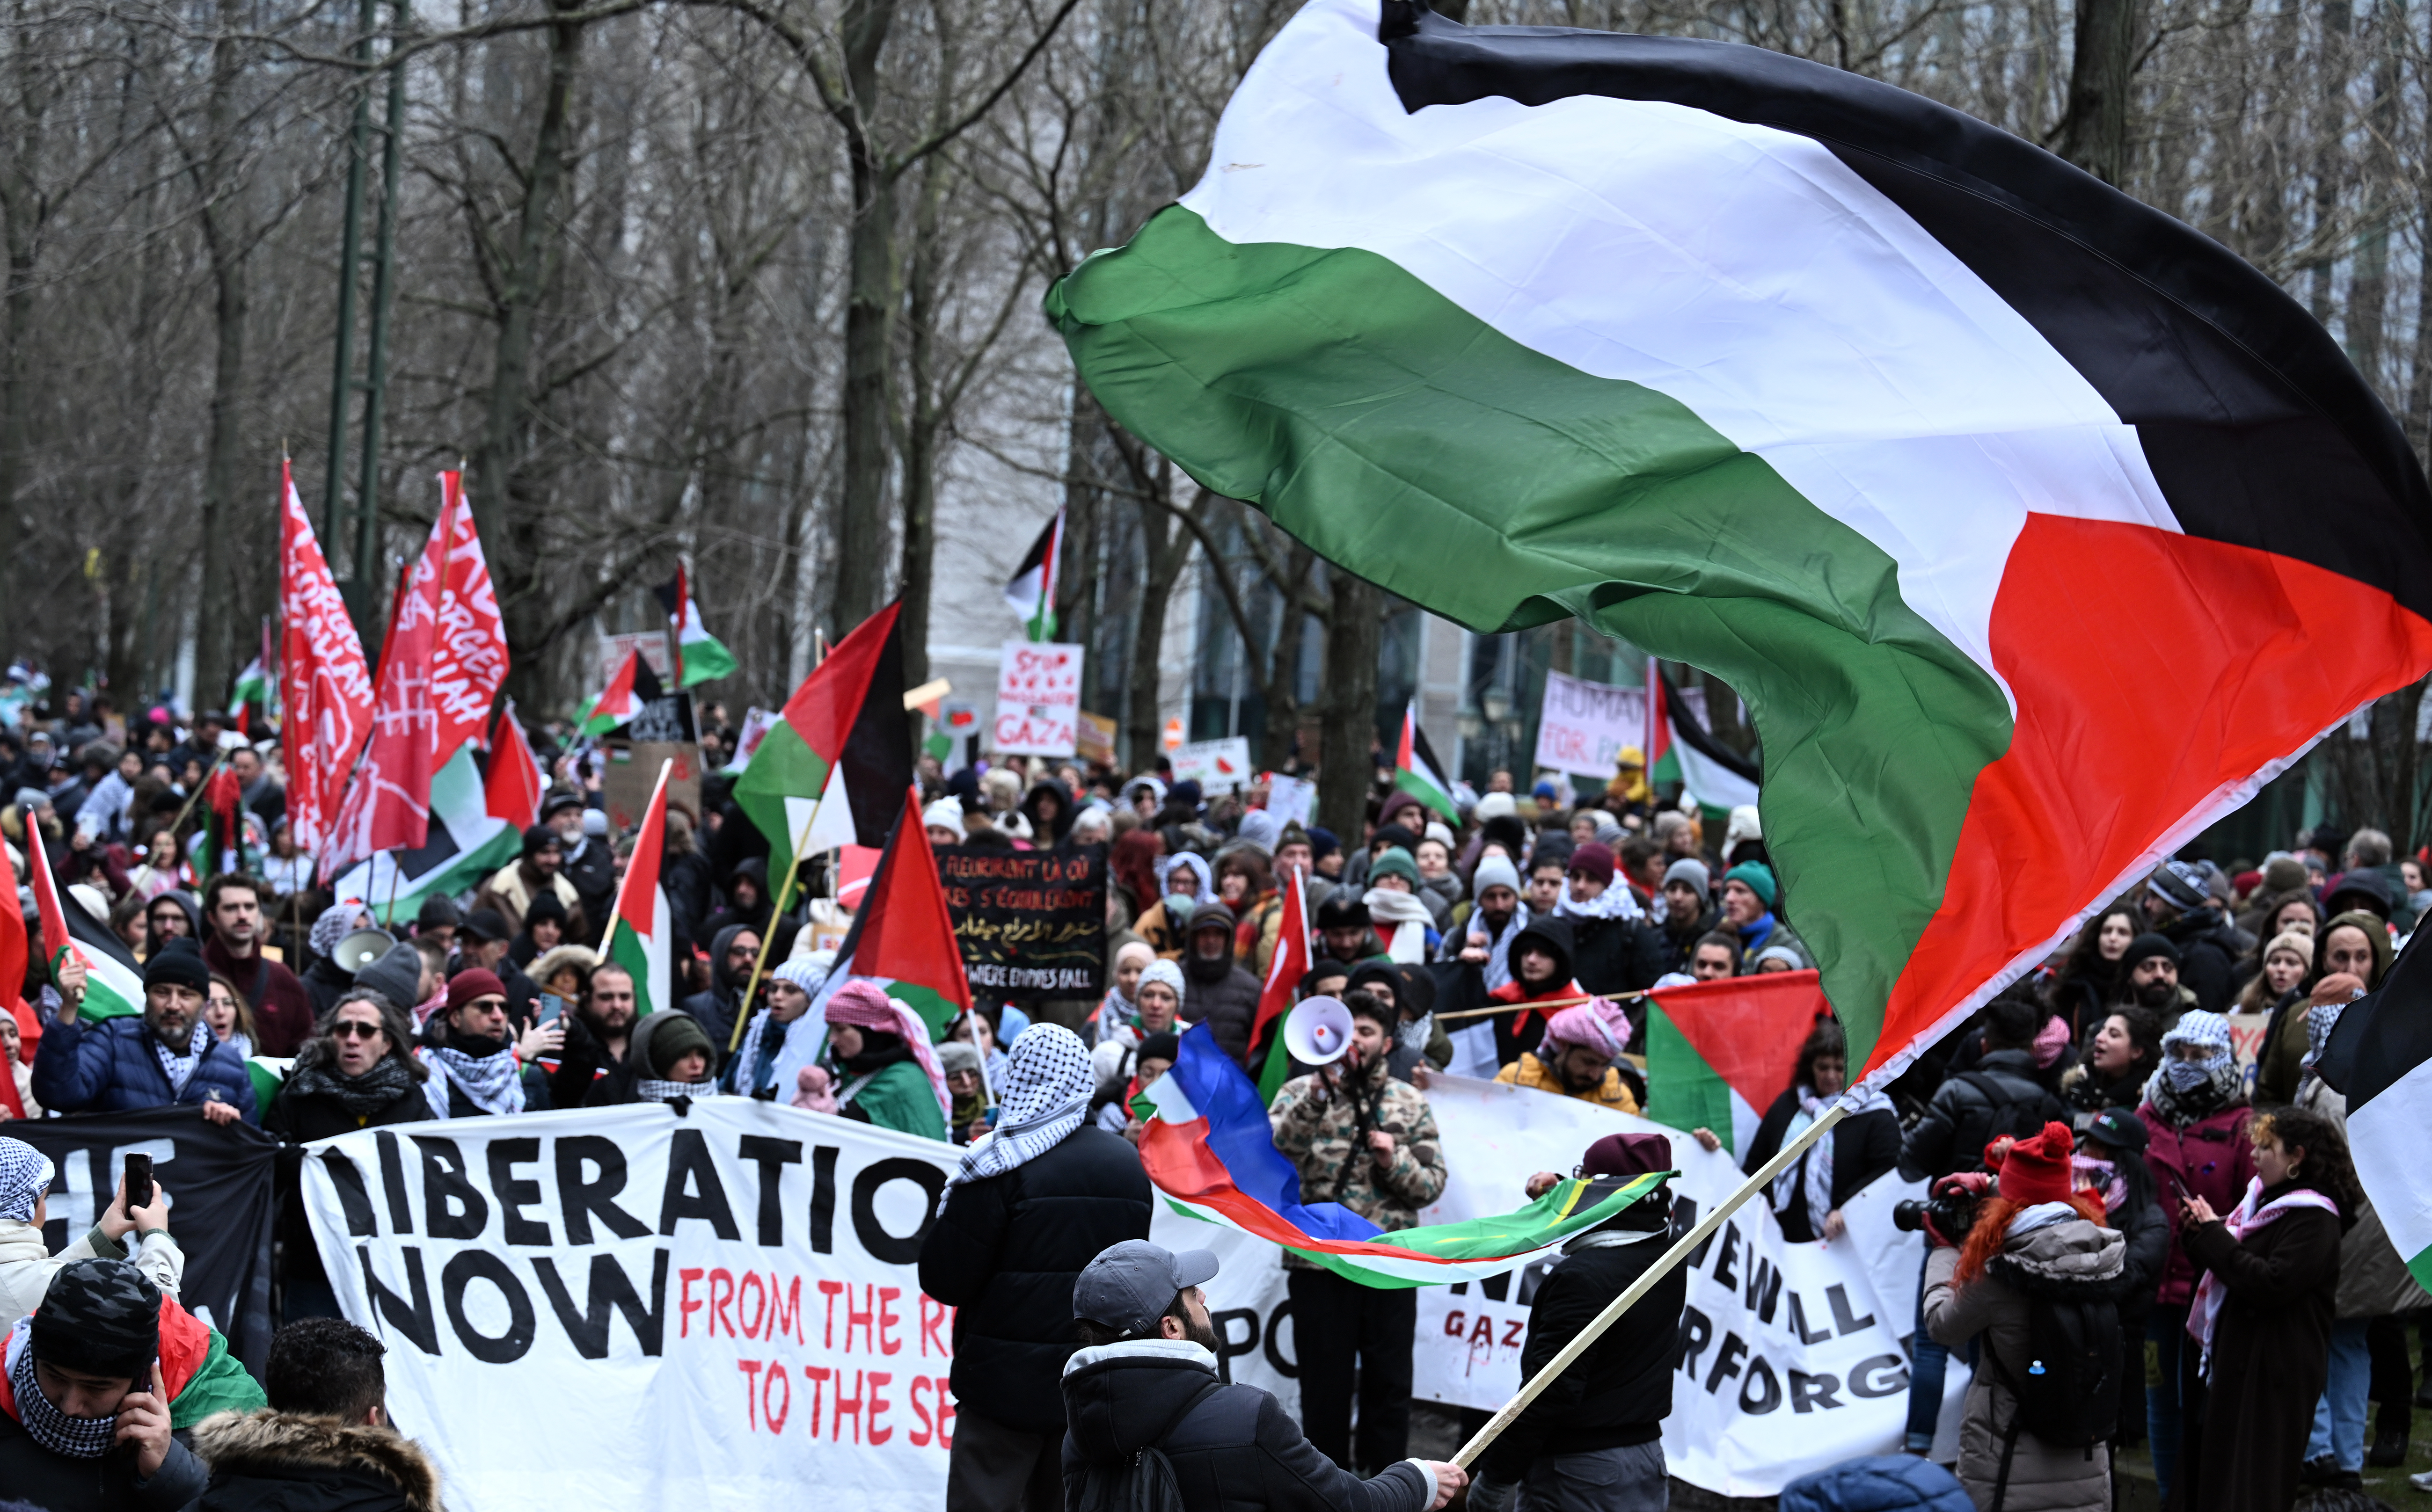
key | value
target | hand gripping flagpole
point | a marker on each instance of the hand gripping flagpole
(784, 896)
(1682, 1248)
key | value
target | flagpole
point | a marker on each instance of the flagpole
(784, 896)
(1682, 1248)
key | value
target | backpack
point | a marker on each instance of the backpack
(2068, 1396)
(2006, 1112)
(1143, 1483)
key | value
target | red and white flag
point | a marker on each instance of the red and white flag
(468, 654)
(388, 804)
(324, 687)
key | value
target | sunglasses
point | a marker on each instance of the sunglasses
(349, 1029)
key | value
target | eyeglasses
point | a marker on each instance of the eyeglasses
(349, 1029)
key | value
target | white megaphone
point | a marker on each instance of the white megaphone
(1318, 1032)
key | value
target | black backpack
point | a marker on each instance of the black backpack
(2068, 1393)
(1143, 1483)
(2007, 1113)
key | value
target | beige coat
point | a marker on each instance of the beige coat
(2043, 1478)
(27, 1266)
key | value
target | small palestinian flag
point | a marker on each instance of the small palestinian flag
(641, 928)
(1715, 777)
(1290, 964)
(1899, 424)
(2380, 1055)
(833, 769)
(468, 840)
(1720, 1052)
(699, 655)
(1417, 772)
(113, 983)
(252, 687)
(902, 936)
(1032, 590)
(633, 688)
(1209, 1149)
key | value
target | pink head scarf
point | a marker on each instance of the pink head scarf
(1599, 1024)
(862, 1005)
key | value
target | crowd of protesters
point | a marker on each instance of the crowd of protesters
(2134, 1130)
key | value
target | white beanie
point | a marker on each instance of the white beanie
(1495, 872)
(1494, 806)
(1162, 970)
(947, 813)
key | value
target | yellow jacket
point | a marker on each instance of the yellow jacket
(1537, 1076)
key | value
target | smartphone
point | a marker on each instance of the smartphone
(552, 1007)
(2178, 1186)
(139, 1182)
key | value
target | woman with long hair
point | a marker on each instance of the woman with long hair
(1807, 1198)
(357, 1071)
(2260, 1324)
(2121, 1056)
(2090, 979)
(2035, 1240)
(230, 1016)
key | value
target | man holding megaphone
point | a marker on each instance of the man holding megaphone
(1363, 1139)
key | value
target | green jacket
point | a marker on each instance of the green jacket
(898, 1098)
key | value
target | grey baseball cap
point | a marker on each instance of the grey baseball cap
(1130, 1284)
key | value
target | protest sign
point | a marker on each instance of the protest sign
(218, 1177)
(1038, 699)
(1032, 923)
(1582, 726)
(651, 645)
(1216, 766)
(1094, 737)
(1292, 799)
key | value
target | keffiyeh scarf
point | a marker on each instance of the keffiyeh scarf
(1045, 1098)
(2203, 1315)
(26, 1175)
(1811, 1180)
(651, 1089)
(45, 1425)
(1615, 901)
(181, 1069)
(493, 1084)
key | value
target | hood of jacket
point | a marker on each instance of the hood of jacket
(1551, 934)
(1119, 1398)
(2068, 1253)
(1049, 832)
(722, 982)
(2376, 934)
(279, 1445)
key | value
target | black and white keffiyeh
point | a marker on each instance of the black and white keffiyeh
(493, 1083)
(181, 1069)
(45, 1425)
(1046, 1095)
(26, 1175)
(1811, 1177)
(651, 1089)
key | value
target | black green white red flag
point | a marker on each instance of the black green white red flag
(833, 769)
(1417, 772)
(633, 688)
(902, 936)
(1032, 589)
(699, 655)
(1904, 428)
(1717, 777)
(641, 928)
(2379, 1056)
(113, 983)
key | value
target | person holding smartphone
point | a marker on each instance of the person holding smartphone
(139, 1232)
(84, 1411)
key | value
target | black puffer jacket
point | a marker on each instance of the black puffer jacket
(1620, 1392)
(2001, 1095)
(1005, 1253)
(1617, 955)
(1234, 1449)
(2209, 947)
(1228, 1006)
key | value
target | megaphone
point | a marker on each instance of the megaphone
(1318, 1032)
(359, 949)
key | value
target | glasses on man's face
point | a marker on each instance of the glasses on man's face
(349, 1029)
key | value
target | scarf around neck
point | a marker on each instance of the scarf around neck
(44, 1423)
(2217, 1083)
(181, 1069)
(651, 1089)
(492, 1082)
(2251, 1216)
(1046, 1095)
(362, 1096)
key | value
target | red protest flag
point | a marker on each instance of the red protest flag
(325, 689)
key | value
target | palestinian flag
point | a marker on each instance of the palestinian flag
(632, 689)
(2380, 1055)
(1032, 590)
(113, 983)
(699, 655)
(13, 955)
(641, 929)
(513, 788)
(843, 736)
(1902, 427)
(252, 687)
(902, 936)
(1720, 1052)
(1417, 772)
(1715, 777)
(1210, 1151)
(1290, 964)
(223, 812)
(476, 827)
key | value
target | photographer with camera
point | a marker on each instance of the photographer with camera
(2001, 1095)
(2024, 1261)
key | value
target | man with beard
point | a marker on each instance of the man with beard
(732, 952)
(1343, 919)
(473, 1068)
(1687, 915)
(1145, 1378)
(1578, 1057)
(169, 1056)
(2179, 907)
(596, 1036)
(1497, 918)
(512, 888)
(2149, 969)
(282, 1007)
(1221, 994)
(583, 845)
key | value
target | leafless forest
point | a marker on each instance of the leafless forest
(746, 280)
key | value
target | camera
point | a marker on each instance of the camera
(1954, 1214)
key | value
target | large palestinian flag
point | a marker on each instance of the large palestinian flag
(902, 936)
(1908, 430)
(113, 983)
(2380, 1056)
(833, 769)
(641, 931)
(1720, 1052)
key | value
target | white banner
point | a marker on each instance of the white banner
(1038, 699)
(1216, 766)
(1582, 726)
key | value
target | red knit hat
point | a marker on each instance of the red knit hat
(471, 982)
(2037, 1169)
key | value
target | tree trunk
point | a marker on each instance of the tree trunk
(1165, 546)
(214, 638)
(2101, 89)
(1281, 688)
(870, 308)
(508, 520)
(16, 403)
(1346, 745)
(921, 310)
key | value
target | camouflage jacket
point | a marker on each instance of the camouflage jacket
(1323, 1131)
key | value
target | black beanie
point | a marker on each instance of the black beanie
(179, 964)
(99, 1317)
(680, 1032)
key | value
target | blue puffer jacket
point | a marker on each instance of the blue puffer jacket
(1878, 1483)
(110, 1067)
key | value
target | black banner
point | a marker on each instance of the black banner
(218, 1177)
(1032, 923)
